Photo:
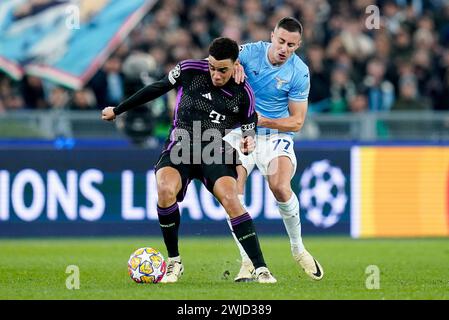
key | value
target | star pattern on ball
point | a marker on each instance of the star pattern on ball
(136, 274)
(145, 256)
(158, 272)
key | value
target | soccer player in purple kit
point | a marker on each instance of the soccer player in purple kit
(209, 100)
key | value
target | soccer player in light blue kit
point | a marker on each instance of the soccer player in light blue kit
(281, 82)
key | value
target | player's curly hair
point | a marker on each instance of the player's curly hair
(224, 48)
(290, 24)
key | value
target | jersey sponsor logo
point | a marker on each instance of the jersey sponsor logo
(249, 126)
(280, 82)
(207, 96)
(174, 74)
(216, 116)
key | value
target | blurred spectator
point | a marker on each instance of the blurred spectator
(342, 90)
(33, 93)
(380, 91)
(5, 88)
(356, 43)
(424, 37)
(107, 84)
(59, 98)
(83, 99)
(423, 69)
(408, 96)
(358, 103)
(319, 79)
(382, 43)
(257, 32)
(11, 97)
(233, 29)
(393, 17)
(402, 45)
(14, 102)
(200, 34)
(253, 12)
(442, 97)
(442, 21)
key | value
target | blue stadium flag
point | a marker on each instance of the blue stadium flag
(65, 41)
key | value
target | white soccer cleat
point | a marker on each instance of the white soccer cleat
(311, 267)
(246, 273)
(263, 275)
(175, 270)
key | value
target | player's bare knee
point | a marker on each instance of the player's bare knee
(166, 193)
(281, 192)
(227, 200)
(232, 205)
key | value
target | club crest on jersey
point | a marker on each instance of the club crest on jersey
(280, 82)
(174, 74)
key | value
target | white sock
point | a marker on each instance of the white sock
(177, 258)
(245, 258)
(290, 215)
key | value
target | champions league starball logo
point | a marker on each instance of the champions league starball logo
(323, 194)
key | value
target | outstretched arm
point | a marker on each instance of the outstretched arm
(142, 96)
(292, 123)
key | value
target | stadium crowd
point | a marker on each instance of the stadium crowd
(401, 64)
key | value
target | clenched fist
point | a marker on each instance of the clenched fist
(108, 114)
(247, 145)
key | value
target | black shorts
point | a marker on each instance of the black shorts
(208, 173)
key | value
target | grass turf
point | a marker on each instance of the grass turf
(409, 269)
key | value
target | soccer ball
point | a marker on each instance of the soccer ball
(146, 265)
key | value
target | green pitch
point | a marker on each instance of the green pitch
(409, 269)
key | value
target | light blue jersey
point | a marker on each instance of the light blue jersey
(274, 86)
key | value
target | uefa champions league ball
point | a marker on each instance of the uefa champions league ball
(146, 265)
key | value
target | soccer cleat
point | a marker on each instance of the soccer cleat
(311, 267)
(263, 275)
(174, 270)
(246, 273)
